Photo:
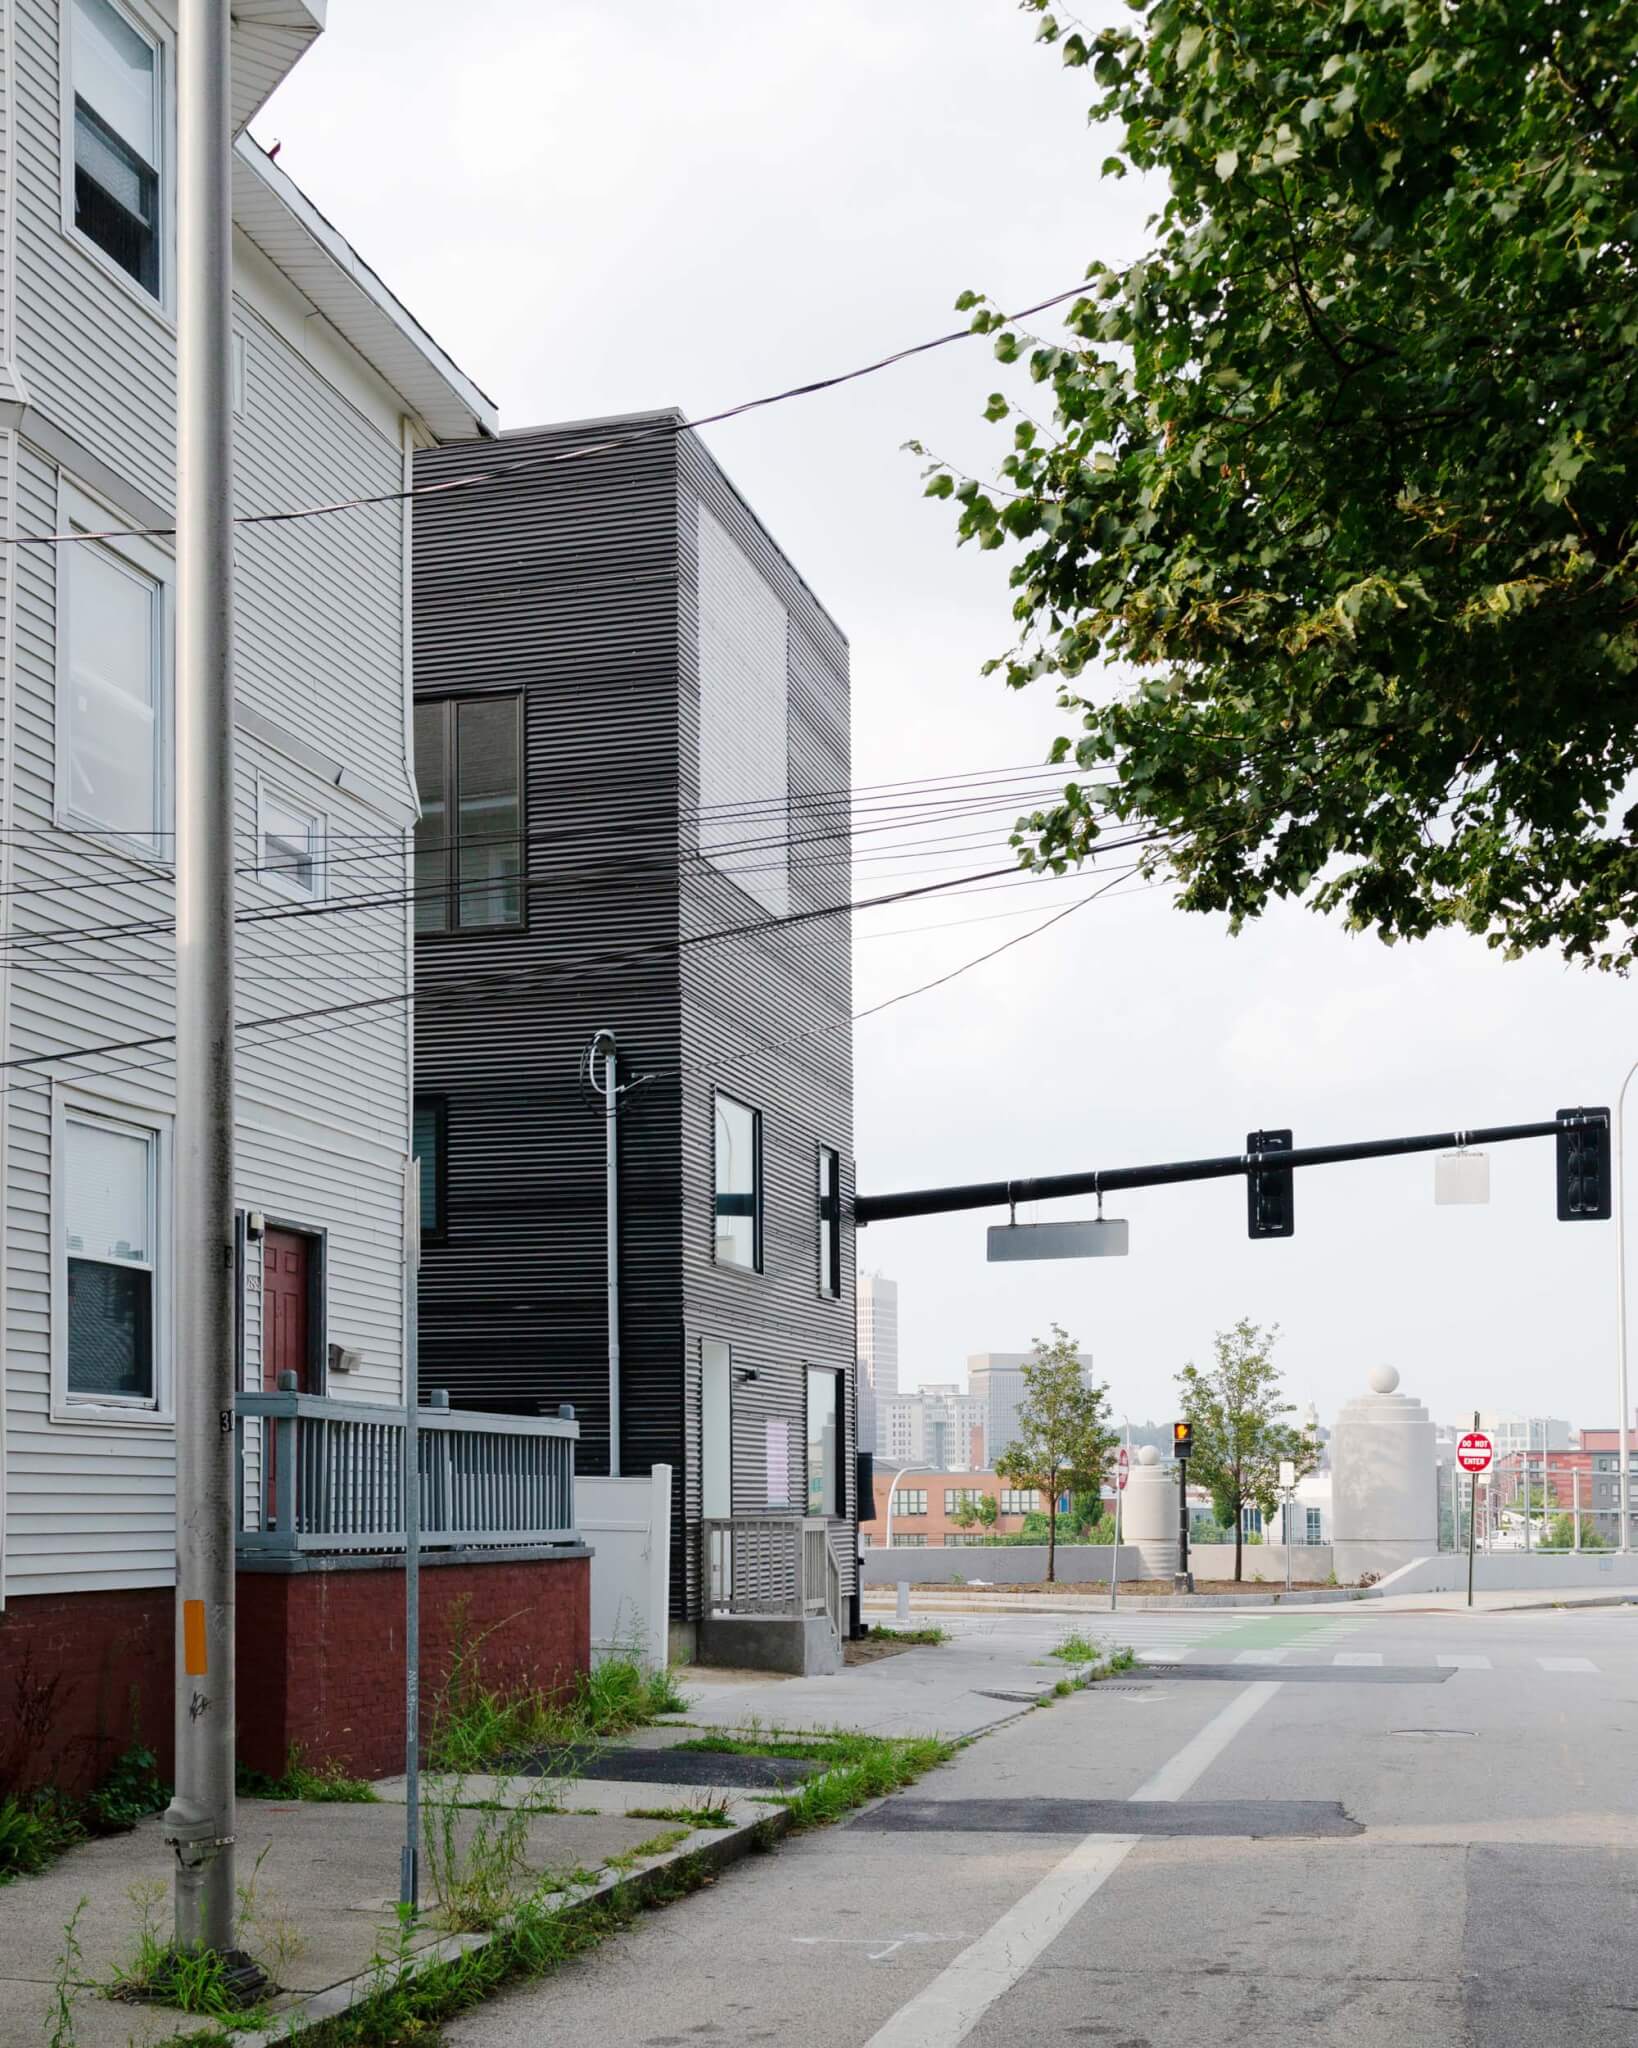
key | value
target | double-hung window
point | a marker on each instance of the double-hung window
(469, 841)
(826, 1495)
(111, 694)
(110, 1208)
(118, 138)
(291, 847)
(738, 1185)
(830, 1222)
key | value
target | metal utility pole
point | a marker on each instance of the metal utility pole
(1472, 1520)
(200, 1821)
(1619, 1136)
(409, 1870)
(609, 1089)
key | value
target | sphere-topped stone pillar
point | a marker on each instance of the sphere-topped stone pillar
(1148, 1514)
(1384, 1482)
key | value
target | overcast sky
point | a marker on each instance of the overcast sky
(598, 209)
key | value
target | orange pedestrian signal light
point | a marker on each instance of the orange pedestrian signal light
(1182, 1439)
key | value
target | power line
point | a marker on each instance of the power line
(500, 471)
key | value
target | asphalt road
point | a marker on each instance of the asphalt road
(1360, 1829)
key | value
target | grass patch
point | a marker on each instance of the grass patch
(472, 1724)
(205, 1982)
(930, 1636)
(879, 1764)
(325, 1783)
(710, 1813)
(656, 1845)
(1076, 1649)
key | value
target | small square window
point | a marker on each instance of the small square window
(117, 135)
(291, 853)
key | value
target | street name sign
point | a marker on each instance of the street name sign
(1475, 1451)
(1098, 1237)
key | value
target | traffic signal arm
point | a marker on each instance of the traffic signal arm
(995, 1194)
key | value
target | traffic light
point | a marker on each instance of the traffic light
(1182, 1439)
(1269, 1208)
(1583, 1167)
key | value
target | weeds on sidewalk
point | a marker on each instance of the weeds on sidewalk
(708, 1813)
(477, 1852)
(930, 1636)
(36, 1828)
(472, 1723)
(1075, 1648)
(199, 1981)
(65, 1983)
(325, 1783)
(872, 1766)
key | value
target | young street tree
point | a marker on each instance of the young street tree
(1064, 1442)
(1341, 474)
(977, 1513)
(1240, 1440)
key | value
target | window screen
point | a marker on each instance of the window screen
(110, 1211)
(112, 705)
(116, 139)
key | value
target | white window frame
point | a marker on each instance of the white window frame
(78, 512)
(78, 1106)
(153, 31)
(271, 788)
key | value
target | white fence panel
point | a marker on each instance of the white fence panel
(627, 1522)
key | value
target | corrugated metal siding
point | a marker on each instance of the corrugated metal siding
(744, 719)
(577, 582)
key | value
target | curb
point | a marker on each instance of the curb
(721, 1848)
(1137, 1603)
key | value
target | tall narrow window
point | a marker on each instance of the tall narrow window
(117, 130)
(431, 1143)
(825, 1494)
(830, 1222)
(469, 842)
(112, 714)
(739, 1185)
(111, 1213)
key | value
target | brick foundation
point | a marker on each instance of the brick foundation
(321, 1660)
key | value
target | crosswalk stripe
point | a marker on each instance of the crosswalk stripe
(1464, 1663)
(1566, 1664)
(1260, 1657)
(1357, 1657)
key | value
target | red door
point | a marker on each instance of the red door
(285, 1299)
(285, 1302)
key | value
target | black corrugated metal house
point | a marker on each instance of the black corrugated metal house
(632, 744)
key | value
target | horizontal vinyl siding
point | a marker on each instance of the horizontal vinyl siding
(322, 1115)
(561, 583)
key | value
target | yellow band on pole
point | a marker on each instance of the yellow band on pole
(193, 1638)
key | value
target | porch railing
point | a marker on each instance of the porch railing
(772, 1565)
(321, 1475)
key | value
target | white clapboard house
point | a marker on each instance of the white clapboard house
(336, 388)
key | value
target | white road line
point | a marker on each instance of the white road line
(1464, 1663)
(1357, 1657)
(1566, 1664)
(958, 1998)
(1261, 1657)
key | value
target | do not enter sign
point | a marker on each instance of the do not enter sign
(1474, 1451)
(1122, 1465)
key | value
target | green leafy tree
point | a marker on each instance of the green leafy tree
(976, 1514)
(1339, 478)
(1063, 1442)
(1240, 1439)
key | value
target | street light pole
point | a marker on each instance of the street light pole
(199, 1823)
(1618, 1135)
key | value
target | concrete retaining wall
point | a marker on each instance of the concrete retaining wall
(1310, 1562)
(1513, 1571)
(1001, 1564)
